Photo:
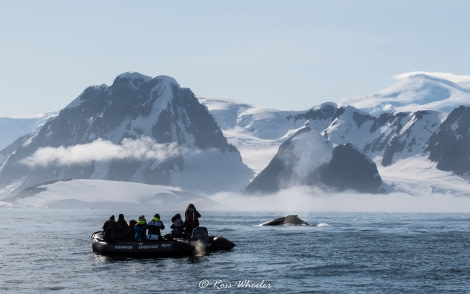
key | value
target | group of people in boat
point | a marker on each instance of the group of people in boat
(141, 230)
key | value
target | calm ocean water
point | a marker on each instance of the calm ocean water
(49, 251)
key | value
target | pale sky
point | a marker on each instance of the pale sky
(289, 55)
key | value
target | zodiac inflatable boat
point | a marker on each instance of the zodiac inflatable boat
(164, 248)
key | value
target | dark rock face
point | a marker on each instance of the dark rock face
(325, 111)
(450, 145)
(348, 169)
(402, 134)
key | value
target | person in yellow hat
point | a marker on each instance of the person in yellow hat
(154, 228)
(141, 229)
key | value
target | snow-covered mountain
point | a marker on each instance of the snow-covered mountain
(307, 158)
(390, 136)
(389, 140)
(417, 91)
(139, 129)
(412, 137)
(386, 139)
(256, 131)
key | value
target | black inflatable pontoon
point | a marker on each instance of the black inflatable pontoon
(166, 248)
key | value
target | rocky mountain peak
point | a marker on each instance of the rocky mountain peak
(150, 129)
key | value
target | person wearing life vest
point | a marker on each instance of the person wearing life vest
(154, 226)
(191, 219)
(141, 229)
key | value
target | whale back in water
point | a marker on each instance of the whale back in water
(286, 221)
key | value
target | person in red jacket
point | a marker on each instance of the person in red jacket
(191, 220)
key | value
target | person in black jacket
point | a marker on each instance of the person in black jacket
(132, 224)
(109, 228)
(154, 228)
(122, 228)
(176, 226)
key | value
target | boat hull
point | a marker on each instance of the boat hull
(167, 248)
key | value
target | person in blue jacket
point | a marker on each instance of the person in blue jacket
(141, 229)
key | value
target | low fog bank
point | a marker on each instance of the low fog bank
(83, 194)
(312, 200)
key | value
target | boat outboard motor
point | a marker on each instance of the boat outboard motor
(201, 234)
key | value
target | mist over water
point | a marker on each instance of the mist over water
(107, 194)
(308, 199)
